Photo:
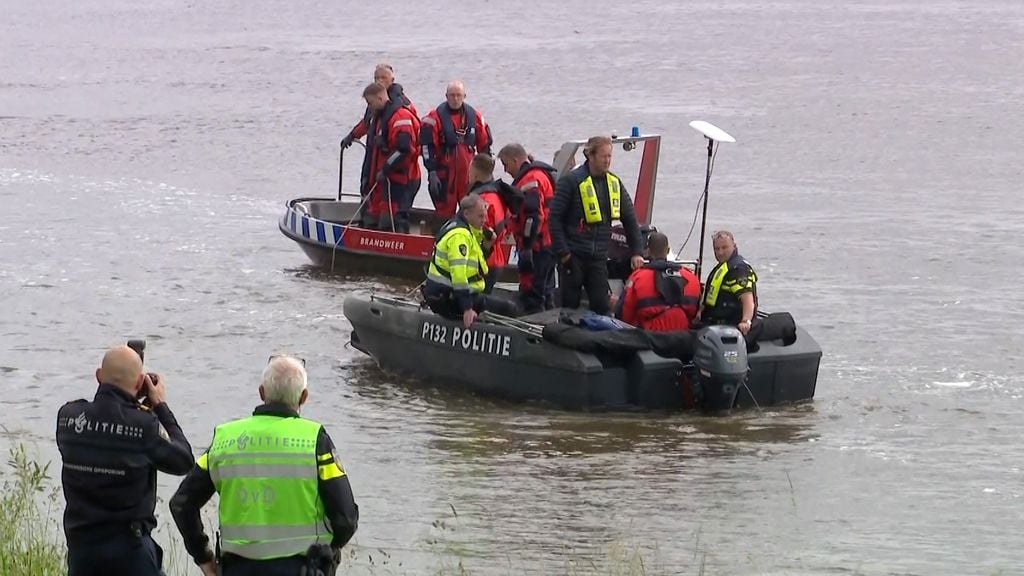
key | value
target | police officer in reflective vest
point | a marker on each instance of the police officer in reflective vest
(457, 272)
(586, 201)
(111, 449)
(661, 296)
(730, 294)
(285, 500)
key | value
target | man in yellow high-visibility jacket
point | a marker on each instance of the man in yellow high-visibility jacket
(284, 497)
(456, 275)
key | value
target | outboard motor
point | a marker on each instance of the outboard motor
(720, 355)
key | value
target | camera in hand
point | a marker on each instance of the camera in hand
(140, 348)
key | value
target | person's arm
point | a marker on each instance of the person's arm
(335, 492)
(167, 447)
(458, 269)
(484, 139)
(403, 144)
(194, 492)
(740, 282)
(627, 304)
(560, 205)
(429, 138)
(627, 215)
(531, 212)
(359, 130)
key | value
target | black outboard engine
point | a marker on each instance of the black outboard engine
(720, 356)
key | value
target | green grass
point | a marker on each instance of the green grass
(31, 542)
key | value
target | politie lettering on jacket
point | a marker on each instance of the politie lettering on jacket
(467, 339)
(263, 442)
(82, 424)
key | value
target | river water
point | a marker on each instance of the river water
(146, 151)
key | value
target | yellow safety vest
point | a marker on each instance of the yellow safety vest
(266, 470)
(591, 207)
(458, 260)
(717, 284)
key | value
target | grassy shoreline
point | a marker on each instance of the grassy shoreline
(32, 539)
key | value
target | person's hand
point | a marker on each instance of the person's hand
(209, 568)
(156, 389)
(744, 327)
(636, 262)
(347, 141)
(468, 317)
(434, 185)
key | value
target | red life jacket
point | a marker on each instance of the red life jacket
(384, 131)
(497, 220)
(661, 297)
(536, 180)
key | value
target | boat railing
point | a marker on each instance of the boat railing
(393, 301)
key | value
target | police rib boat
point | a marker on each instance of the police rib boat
(557, 356)
(328, 231)
(546, 358)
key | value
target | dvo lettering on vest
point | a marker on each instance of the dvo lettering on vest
(467, 339)
(263, 496)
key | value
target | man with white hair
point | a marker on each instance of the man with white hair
(383, 74)
(450, 135)
(284, 496)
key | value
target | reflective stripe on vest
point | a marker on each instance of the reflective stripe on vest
(591, 205)
(442, 262)
(265, 470)
(717, 284)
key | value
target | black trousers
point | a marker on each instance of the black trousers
(119, 556)
(584, 272)
(537, 288)
(442, 302)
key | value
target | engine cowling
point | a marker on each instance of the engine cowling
(720, 356)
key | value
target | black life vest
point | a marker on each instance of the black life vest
(450, 137)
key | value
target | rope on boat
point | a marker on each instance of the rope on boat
(509, 322)
(358, 212)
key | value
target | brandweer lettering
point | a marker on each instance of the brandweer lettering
(381, 243)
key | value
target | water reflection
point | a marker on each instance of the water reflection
(481, 427)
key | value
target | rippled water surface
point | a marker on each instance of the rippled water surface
(146, 150)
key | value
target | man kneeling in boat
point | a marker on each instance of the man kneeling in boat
(455, 276)
(730, 296)
(661, 296)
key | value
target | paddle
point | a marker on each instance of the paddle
(713, 134)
